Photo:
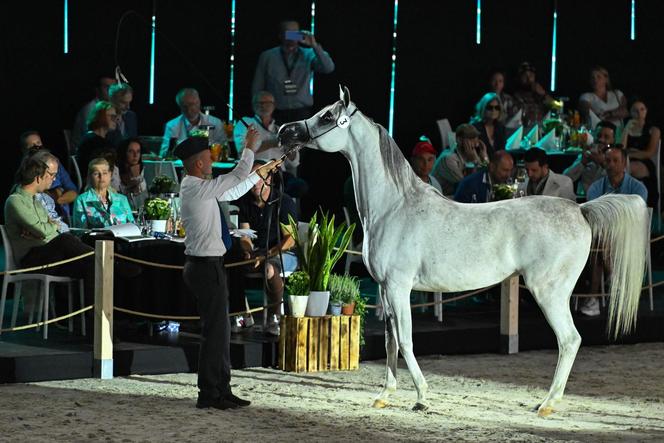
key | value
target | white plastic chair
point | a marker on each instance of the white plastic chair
(44, 280)
(350, 258)
(445, 130)
(77, 172)
(656, 159)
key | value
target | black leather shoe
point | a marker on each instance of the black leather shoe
(237, 400)
(219, 403)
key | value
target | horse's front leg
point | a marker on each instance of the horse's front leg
(392, 351)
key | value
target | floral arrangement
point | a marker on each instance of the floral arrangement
(157, 209)
(298, 283)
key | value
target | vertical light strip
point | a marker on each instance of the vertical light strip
(478, 25)
(66, 24)
(231, 81)
(313, 27)
(553, 48)
(632, 21)
(152, 50)
(394, 65)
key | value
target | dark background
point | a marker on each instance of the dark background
(441, 72)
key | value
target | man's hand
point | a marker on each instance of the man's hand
(309, 39)
(253, 139)
(265, 170)
(538, 89)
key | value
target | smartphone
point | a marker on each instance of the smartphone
(296, 36)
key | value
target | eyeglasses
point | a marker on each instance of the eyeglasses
(493, 108)
(51, 174)
(265, 103)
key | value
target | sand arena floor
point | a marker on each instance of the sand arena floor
(615, 393)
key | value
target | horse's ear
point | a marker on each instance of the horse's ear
(344, 95)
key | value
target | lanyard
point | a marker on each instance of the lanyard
(260, 122)
(289, 68)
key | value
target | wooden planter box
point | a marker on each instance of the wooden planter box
(311, 344)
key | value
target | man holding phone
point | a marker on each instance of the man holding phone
(285, 71)
(589, 165)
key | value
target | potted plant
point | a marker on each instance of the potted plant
(157, 210)
(317, 256)
(298, 289)
(162, 184)
(344, 290)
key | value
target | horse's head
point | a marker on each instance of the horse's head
(325, 131)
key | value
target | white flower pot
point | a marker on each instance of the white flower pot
(318, 301)
(158, 225)
(298, 305)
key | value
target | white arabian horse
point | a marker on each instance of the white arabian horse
(414, 238)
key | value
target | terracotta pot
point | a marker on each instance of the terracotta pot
(348, 309)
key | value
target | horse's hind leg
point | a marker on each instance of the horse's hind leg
(392, 352)
(553, 298)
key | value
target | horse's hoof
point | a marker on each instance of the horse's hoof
(545, 412)
(420, 407)
(379, 403)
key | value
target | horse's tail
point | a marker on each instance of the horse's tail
(620, 226)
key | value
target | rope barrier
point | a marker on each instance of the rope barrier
(176, 317)
(48, 265)
(179, 267)
(603, 294)
(53, 320)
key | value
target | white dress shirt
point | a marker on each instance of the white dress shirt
(180, 128)
(200, 209)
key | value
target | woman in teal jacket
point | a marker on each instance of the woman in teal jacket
(100, 206)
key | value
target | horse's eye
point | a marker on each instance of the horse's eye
(327, 116)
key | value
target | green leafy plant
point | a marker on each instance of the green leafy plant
(162, 184)
(157, 209)
(344, 288)
(316, 254)
(298, 283)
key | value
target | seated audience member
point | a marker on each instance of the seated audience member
(607, 103)
(422, 159)
(453, 165)
(488, 113)
(257, 210)
(641, 139)
(263, 121)
(33, 234)
(81, 123)
(478, 187)
(120, 96)
(589, 165)
(63, 191)
(616, 181)
(497, 86)
(94, 144)
(190, 119)
(531, 97)
(99, 206)
(542, 180)
(130, 168)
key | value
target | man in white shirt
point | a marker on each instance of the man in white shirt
(542, 180)
(263, 105)
(191, 119)
(207, 240)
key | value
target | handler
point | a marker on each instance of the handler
(207, 240)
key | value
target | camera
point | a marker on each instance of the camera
(296, 36)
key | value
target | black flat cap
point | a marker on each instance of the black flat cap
(190, 146)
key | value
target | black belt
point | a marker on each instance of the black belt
(196, 259)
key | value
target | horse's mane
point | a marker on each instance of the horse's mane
(395, 163)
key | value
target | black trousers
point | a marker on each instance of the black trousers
(62, 247)
(206, 279)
